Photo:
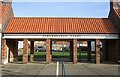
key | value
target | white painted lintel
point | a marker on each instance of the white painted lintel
(61, 36)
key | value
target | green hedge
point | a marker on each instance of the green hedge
(55, 54)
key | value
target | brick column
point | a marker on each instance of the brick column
(25, 51)
(75, 51)
(48, 59)
(32, 52)
(50, 50)
(97, 51)
(89, 51)
(4, 50)
(71, 51)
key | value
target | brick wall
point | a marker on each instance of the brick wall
(112, 50)
(118, 41)
(112, 44)
(0, 17)
(113, 16)
(4, 50)
(8, 13)
(0, 12)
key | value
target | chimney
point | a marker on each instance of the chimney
(8, 2)
(114, 4)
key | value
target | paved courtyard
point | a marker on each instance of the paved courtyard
(42, 69)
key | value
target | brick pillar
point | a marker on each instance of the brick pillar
(89, 51)
(97, 51)
(50, 50)
(75, 51)
(25, 51)
(4, 50)
(48, 58)
(71, 51)
(32, 52)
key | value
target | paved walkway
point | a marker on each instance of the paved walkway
(86, 69)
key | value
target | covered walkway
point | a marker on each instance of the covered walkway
(109, 46)
(97, 30)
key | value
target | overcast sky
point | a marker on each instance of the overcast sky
(61, 9)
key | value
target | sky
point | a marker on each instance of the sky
(61, 9)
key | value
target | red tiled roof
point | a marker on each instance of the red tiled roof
(118, 13)
(60, 25)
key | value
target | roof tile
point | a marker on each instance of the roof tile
(60, 25)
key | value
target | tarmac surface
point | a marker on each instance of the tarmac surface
(43, 69)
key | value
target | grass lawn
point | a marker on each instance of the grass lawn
(55, 54)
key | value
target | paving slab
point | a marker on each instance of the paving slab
(48, 69)
(97, 70)
(72, 70)
(22, 69)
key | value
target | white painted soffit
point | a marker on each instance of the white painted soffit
(61, 36)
